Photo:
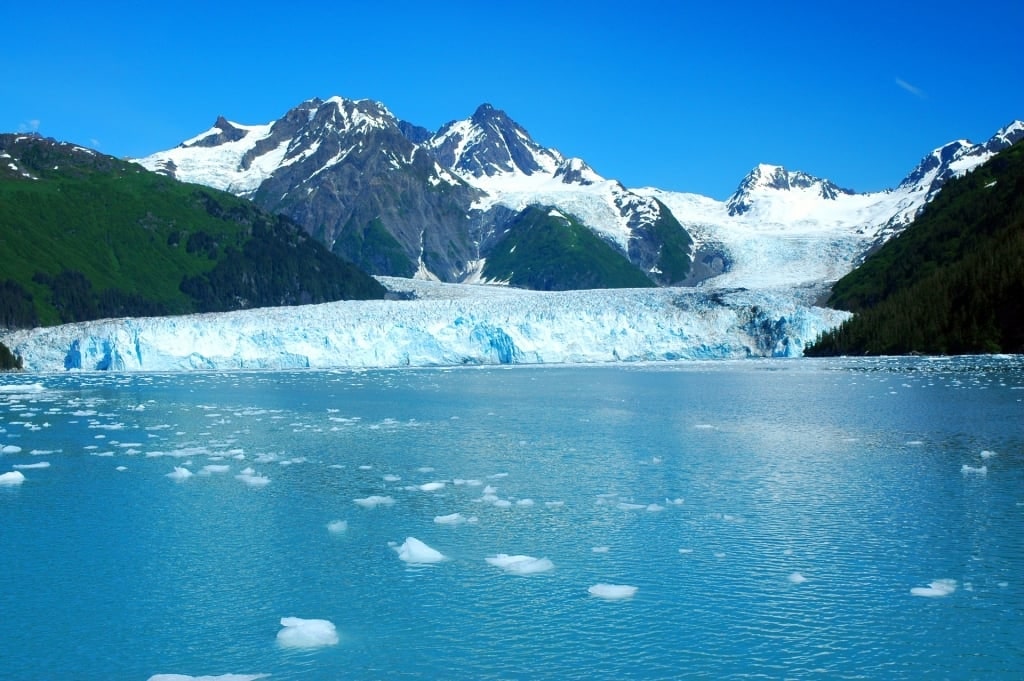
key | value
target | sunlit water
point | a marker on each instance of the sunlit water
(778, 519)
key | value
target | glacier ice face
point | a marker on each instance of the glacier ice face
(445, 324)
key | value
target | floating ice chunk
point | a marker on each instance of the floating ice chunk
(612, 592)
(490, 490)
(431, 486)
(520, 565)
(625, 506)
(214, 468)
(502, 503)
(974, 470)
(21, 389)
(450, 519)
(796, 578)
(179, 474)
(337, 526)
(415, 551)
(685, 551)
(599, 549)
(524, 502)
(12, 478)
(374, 501)
(121, 468)
(915, 443)
(222, 677)
(425, 469)
(654, 508)
(554, 504)
(497, 476)
(10, 449)
(249, 477)
(28, 466)
(678, 501)
(987, 454)
(390, 477)
(936, 589)
(303, 633)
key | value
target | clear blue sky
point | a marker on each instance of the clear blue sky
(687, 96)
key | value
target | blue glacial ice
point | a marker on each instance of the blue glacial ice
(445, 325)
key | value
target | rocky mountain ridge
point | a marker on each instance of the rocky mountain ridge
(399, 200)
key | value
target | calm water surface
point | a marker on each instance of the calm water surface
(857, 519)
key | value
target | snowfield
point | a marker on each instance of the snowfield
(446, 324)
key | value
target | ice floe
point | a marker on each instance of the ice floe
(252, 479)
(337, 526)
(29, 466)
(179, 474)
(935, 589)
(520, 565)
(612, 592)
(307, 633)
(974, 470)
(796, 578)
(374, 501)
(10, 449)
(453, 519)
(12, 478)
(415, 551)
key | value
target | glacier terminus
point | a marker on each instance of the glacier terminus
(445, 325)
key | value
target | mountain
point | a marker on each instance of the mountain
(397, 200)
(87, 235)
(788, 228)
(953, 282)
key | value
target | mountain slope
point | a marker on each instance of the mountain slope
(86, 235)
(787, 228)
(953, 282)
(399, 201)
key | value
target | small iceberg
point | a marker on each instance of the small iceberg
(374, 501)
(11, 479)
(415, 551)
(520, 565)
(796, 578)
(974, 470)
(179, 474)
(303, 633)
(450, 519)
(337, 526)
(936, 589)
(612, 592)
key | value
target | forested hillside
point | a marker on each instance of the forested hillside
(952, 283)
(87, 236)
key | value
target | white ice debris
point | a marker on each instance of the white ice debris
(936, 589)
(520, 565)
(11, 479)
(306, 633)
(373, 501)
(415, 551)
(612, 592)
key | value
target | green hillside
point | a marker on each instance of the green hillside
(547, 251)
(86, 236)
(952, 283)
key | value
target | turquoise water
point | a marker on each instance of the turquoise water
(778, 519)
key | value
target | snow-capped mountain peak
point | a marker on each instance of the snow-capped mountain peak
(766, 178)
(957, 158)
(490, 143)
(576, 171)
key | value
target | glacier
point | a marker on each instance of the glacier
(445, 325)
